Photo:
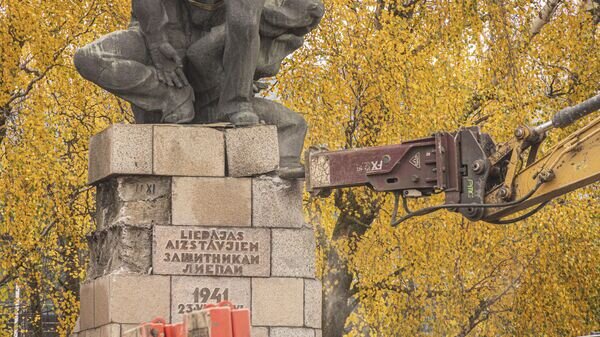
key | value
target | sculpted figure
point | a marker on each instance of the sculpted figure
(197, 61)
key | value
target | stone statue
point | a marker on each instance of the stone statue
(199, 61)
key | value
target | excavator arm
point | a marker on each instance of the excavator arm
(481, 180)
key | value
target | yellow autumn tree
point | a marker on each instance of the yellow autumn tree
(376, 72)
(47, 115)
(384, 71)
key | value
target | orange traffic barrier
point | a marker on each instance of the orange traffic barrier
(220, 320)
(175, 330)
(240, 321)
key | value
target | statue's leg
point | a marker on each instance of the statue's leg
(119, 63)
(291, 130)
(242, 43)
(206, 57)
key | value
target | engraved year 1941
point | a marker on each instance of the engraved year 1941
(202, 296)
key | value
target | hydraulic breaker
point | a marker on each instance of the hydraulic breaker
(480, 179)
(453, 163)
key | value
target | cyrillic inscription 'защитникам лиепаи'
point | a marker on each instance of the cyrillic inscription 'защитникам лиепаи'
(211, 251)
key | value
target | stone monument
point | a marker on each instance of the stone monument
(189, 215)
(200, 61)
(192, 214)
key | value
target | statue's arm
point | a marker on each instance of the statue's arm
(152, 19)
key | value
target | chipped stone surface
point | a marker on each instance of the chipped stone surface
(293, 253)
(194, 250)
(277, 302)
(192, 293)
(86, 311)
(133, 200)
(131, 299)
(251, 150)
(120, 250)
(187, 150)
(120, 149)
(277, 202)
(312, 303)
(292, 332)
(260, 332)
(212, 201)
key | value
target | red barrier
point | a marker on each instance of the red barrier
(175, 330)
(220, 320)
(240, 321)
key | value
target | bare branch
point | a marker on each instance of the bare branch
(6, 279)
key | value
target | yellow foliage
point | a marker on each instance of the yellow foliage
(380, 72)
(375, 72)
(47, 115)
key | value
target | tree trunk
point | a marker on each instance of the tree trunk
(336, 295)
(354, 220)
(36, 327)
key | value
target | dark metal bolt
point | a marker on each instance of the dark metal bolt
(495, 171)
(478, 166)
(503, 192)
(546, 176)
(519, 132)
(386, 159)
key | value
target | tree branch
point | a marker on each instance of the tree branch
(543, 17)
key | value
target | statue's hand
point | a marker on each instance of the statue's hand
(169, 65)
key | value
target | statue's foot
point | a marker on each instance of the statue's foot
(291, 171)
(182, 114)
(244, 118)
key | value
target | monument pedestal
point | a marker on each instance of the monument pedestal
(191, 215)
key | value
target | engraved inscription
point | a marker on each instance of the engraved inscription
(149, 189)
(203, 296)
(211, 251)
(222, 252)
(139, 188)
(192, 293)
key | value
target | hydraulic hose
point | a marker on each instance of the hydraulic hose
(569, 115)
